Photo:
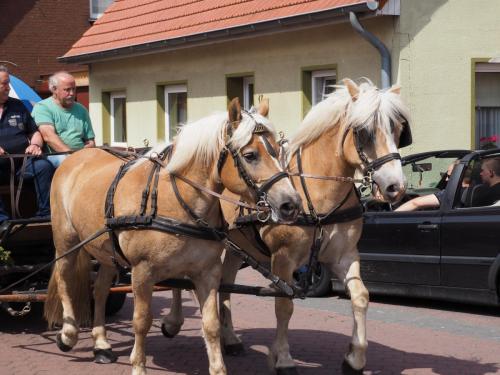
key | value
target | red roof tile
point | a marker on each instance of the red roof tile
(135, 22)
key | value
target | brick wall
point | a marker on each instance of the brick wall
(33, 33)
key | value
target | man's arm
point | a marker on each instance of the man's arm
(52, 139)
(420, 202)
(36, 143)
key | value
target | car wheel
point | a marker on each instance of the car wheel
(115, 302)
(320, 280)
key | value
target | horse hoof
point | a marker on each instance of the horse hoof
(167, 333)
(234, 350)
(104, 356)
(287, 371)
(348, 370)
(61, 345)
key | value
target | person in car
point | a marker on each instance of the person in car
(490, 175)
(19, 135)
(429, 200)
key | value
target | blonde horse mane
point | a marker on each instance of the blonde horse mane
(202, 141)
(369, 109)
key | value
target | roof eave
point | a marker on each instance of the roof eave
(251, 30)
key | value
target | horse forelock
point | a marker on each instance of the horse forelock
(198, 142)
(243, 133)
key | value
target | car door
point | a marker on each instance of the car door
(404, 247)
(470, 243)
(401, 247)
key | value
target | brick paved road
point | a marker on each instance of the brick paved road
(403, 340)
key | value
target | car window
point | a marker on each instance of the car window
(476, 191)
(427, 176)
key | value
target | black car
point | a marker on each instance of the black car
(451, 252)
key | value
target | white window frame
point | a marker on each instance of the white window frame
(116, 95)
(319, 74)
(171, 89)
(247, 81)
(94, 16)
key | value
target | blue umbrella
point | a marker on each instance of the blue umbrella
(20, 90)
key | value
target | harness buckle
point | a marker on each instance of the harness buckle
(366, 185)
(263, 211)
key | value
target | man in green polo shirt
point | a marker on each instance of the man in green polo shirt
(64, 124)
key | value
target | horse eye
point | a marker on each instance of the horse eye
(364, 137)
(250, 156)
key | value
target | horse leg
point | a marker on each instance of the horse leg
(69, 291)
(355, 359)
(232, 343)
(171, 324)
(207, 285)
(102, 348)
(67, 338)
(142, 285)
(279, 355)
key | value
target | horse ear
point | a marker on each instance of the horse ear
(352, 88)
(234, 110)
(396, 89)
(264, 107)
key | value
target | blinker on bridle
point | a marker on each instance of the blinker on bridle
(260, 193)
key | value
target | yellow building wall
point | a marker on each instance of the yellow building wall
(276, 62)
(433, 44)
(438, 40)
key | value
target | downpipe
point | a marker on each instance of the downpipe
(386, 68)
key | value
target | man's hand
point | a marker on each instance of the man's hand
(33, 149)
(2, 151)
(90, 143)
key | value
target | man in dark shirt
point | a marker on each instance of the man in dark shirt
(490, 175)
(19, 135)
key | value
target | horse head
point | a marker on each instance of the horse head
(376, 124)
(254, 171)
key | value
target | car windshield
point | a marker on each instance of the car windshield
(428, 175)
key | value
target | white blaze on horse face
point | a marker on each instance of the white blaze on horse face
(281, 210)
(389, 177)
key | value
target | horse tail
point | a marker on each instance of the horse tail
(79, 293)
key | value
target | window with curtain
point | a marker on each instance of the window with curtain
(487, 106)
(118, 119)
(175, 109)
(242, 88)
(322, 82)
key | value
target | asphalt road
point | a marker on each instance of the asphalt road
(405, 337)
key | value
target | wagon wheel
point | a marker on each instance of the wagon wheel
(320, 280)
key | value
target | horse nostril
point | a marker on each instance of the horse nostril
(393, 189)
(288, 209)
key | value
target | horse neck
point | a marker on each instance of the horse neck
(323, 157)
(203, 204)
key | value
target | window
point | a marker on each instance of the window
(118, 120)
(322, 82)
(487, 106)
(247, 92)
(241, 87)
(97, 8)
(175, 109)
(317, 82)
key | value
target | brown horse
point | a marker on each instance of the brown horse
(186, 196)
(357, 127)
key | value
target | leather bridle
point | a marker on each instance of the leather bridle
(259, 192)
